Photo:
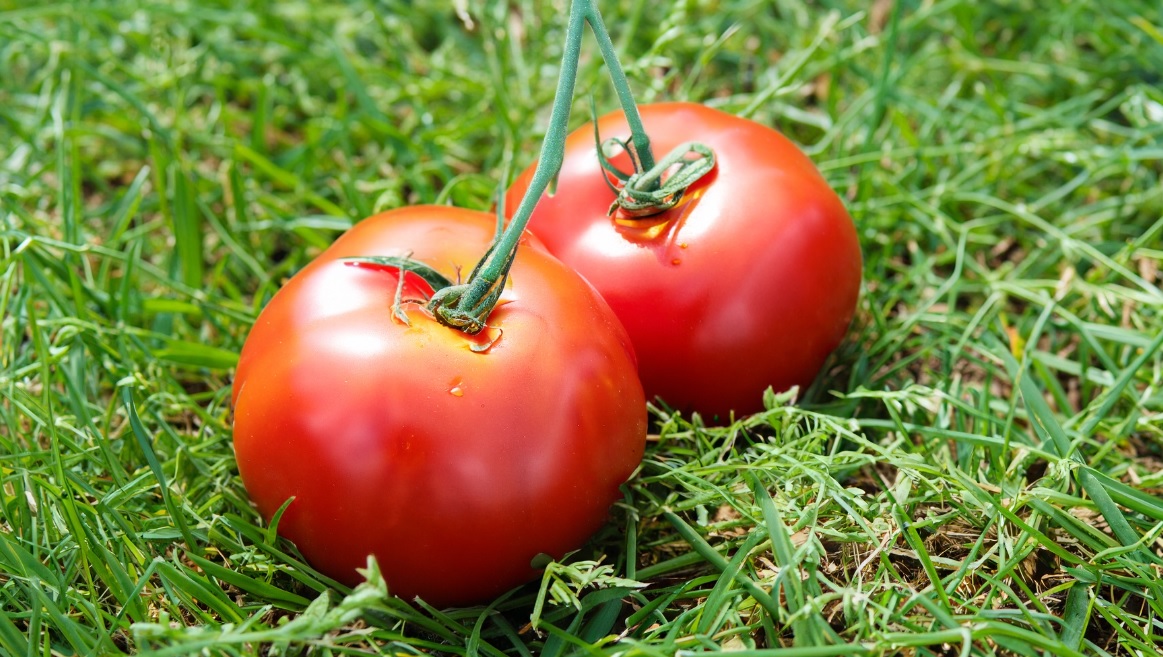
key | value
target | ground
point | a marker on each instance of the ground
(975, 473)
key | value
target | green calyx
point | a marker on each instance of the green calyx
(655, 190)
(467, 306)
(651, 188)
(432, 277)
(450, 302)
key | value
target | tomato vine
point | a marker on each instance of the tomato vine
(466, 306)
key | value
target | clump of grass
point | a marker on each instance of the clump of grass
(976, 473)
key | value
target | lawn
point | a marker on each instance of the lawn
(976, 472)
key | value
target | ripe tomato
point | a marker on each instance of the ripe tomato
(750, 281)
(454, 467)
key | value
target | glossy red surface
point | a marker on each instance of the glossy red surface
(751, 281)
(454, 468)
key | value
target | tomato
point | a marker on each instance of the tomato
(749, 282)
(454, 467)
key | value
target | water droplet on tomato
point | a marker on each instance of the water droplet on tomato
(456, 391)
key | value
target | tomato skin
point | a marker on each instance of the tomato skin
(751, 281)
(454, 468)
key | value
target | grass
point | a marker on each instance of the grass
(976, 473)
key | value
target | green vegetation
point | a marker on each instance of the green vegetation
(975, 474)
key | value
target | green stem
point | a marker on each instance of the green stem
(637, 132)
(466, 307)
(553, 149)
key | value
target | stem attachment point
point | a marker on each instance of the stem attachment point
(660, 188)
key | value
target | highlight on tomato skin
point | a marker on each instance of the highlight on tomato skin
(750, 281)
(454, 466)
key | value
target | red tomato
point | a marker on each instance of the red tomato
(455, 468)
(749, 282)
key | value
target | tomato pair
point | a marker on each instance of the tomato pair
(749, 281)
(454, 459)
